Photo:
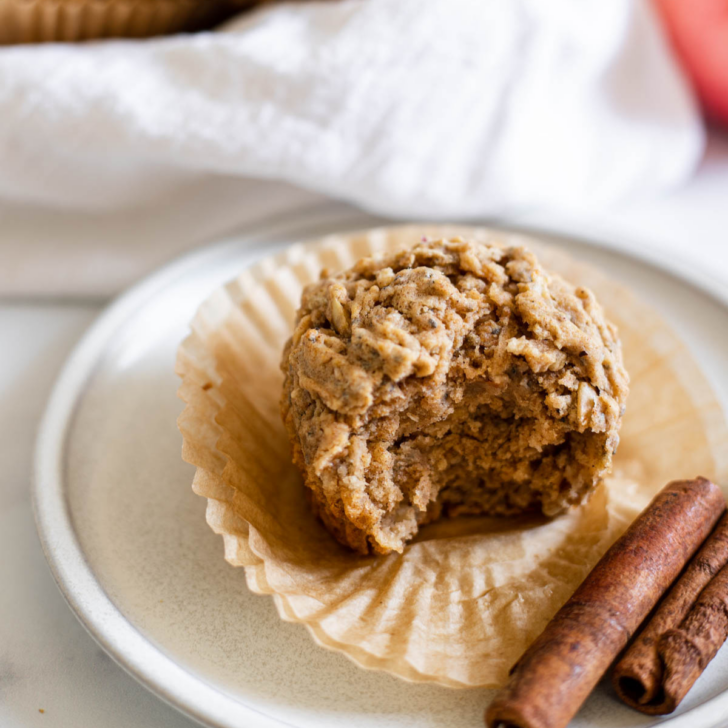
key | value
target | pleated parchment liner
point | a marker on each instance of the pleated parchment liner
(464, 600)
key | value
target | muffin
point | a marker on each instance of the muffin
(453, 378)
(36, 21)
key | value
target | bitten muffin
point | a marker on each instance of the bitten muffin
(453, 378)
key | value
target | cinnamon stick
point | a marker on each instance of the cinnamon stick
(686, 651)
(556, 674)
(639, 675)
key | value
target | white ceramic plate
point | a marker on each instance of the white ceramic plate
(128, 543)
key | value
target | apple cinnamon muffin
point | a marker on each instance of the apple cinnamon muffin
(452, 378)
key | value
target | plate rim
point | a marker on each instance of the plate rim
(117, 636)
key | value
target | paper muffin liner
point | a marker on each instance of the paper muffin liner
(468, 595)
(35, 21)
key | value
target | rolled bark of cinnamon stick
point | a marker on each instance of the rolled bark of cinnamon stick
(686, 651)
(559, 670)
(639, 675)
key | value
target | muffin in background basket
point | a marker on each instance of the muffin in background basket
(37, 21)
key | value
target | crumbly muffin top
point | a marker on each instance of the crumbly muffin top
(455, 376)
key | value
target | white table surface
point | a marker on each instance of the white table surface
(51, 671)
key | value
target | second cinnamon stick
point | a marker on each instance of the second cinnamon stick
(686, 651)
(638, 677)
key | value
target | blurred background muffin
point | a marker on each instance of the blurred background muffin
(36, 21)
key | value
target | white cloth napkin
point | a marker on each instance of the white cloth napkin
(410, 108)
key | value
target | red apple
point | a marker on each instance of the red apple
(698, 30)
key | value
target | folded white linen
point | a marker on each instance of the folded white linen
(410, 108)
